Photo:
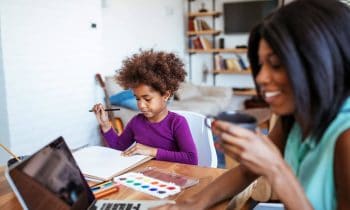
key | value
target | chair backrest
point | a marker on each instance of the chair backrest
(203, 138)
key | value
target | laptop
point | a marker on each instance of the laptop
(51, 179)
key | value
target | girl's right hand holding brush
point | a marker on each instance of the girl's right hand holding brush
(102, 117)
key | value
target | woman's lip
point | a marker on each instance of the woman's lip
(270, 96)
(271, 93)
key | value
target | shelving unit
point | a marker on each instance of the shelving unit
(213, 50)
(218, 50)
(231, 71)
(205, 32)
(192, 33)
(203, 14)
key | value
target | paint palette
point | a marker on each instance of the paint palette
(166, 176)
(149, 185)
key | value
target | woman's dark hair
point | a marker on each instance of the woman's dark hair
(311, 38)
(159, 70)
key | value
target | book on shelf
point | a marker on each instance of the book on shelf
(198, 25)
(242, 63)
(196, 43)
(104, 163)
(206, 44)
(233, 64)
(220, 63)
(204, 25)
(217, 62)
(190, 24)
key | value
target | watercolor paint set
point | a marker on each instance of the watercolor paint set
(166, 176)
(149, 185)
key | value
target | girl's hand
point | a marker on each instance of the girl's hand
(140, 149)
(102, 117)
(252, 149)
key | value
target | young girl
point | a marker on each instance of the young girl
(153, 77)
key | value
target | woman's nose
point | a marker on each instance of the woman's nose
(264, 76)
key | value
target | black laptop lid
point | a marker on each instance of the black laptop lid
(51, 179)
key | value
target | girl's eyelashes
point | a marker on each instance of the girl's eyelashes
(146, 99)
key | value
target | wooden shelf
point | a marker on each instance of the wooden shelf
(218, 50)
(231, 71)
(204, 14)
(247, 92)
(206, 32)
(232, 50)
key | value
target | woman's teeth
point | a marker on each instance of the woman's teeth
(271, 94)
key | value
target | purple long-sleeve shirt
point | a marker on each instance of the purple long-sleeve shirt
(171, 136)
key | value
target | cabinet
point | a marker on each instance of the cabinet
(202, 38)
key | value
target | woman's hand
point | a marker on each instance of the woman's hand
(102, 117)
(252, 149)
(140, 149)
(183, 205)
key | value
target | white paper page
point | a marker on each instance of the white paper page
(104, 162)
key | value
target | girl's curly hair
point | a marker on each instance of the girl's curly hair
(160, 70)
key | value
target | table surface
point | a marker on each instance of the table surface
(8, 199)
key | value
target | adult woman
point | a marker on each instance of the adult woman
(300, 58)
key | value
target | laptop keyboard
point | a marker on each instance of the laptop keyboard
(121, 206)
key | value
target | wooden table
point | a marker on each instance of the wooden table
(8, 199)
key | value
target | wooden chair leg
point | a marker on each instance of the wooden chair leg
(117, 125)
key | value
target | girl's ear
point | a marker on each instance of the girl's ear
(166, 95)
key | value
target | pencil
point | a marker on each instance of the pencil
(107, 110)
(9, 151)
(100, 183)
(106, 192)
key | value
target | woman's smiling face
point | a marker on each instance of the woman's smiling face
(273, 81)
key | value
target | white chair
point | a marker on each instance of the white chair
(203, 138)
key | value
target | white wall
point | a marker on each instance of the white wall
(138, 24)
(4, 132)
(50, 54)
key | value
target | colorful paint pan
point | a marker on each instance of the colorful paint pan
(149, 185)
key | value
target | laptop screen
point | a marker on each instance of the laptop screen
(51, 179)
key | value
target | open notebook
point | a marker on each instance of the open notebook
(51, 179)
(103, 163)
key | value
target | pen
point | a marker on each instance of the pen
(106, 192)
(107, 110)
(105, 185)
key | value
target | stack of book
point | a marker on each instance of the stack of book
(231, 64)
(200, 42)
(198, 25)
